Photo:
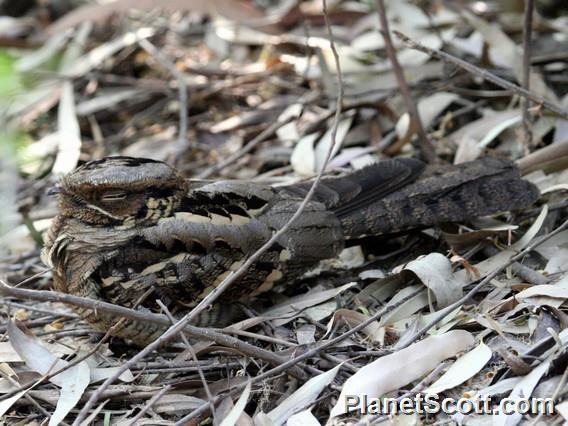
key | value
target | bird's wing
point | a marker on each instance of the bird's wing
(227, 198)
(349, 193)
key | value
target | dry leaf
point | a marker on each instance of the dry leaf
(373, 331)
(69, 134)
(522, 390)
(72, 381)
(303, 397)
(463, 369)
(435, 272)
(299, 303)
(397, 370)
(233, 416)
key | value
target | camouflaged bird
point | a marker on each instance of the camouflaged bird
(127, 225)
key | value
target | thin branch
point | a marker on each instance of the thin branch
(472, 69)
(149, 405)
(116, 326)
(192, 354)
(232, 159)
(424, 145)
(525, 104)
(556, 153)
(146, 317)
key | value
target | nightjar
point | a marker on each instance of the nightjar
(127, 225)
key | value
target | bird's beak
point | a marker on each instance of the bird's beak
(54, 190)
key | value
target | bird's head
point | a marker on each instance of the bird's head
(120, 191)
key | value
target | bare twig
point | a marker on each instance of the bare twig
(424, 145)
(77, 360)
(472, 69)
(193, 356)
(149, 405)
(547, 158)
(147, 317)
(525, 104)
(261, 137)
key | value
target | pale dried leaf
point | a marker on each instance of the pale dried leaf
(96, 56)
(397, 370)
(69, 133)
(435, 272)
(321, 311)
(28, 100)
(562, 408)
(303, 418)
(355, 156)
(6, 370)
(406, 309)
(35, 59)
(107, 100)
(371, 274)
(545, 294)
(374, 331)
(325, 142)
(19, 241)
(6, 404)
(98, 374)
(509, 326)
(477, 130)
(522, 390)
(303, 157)
(9, 354)
(76, 46)
(510, 53)
(350, 257)
(305, 334)
(72, 381)
(11, 27)
(428, 108)
(463, 369)
(174, 402)
(303, 397)
(238, 409)
(289, 132)
(415, 58)
(499, 388)
(301, 302)
(558, 262)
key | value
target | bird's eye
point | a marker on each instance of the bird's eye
(113, 196)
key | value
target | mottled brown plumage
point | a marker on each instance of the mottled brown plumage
(127, 225)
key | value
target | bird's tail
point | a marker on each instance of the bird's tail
(399, 195)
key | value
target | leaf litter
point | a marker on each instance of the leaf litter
(89, 89)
